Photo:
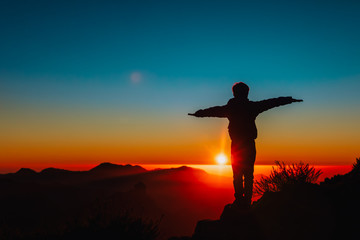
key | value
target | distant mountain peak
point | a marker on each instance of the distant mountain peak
(187, 168)
(184, 168)
(52, 170)
(181, 170)
(107, 166)
(26, 171)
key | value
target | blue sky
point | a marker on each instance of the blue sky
(280, 40)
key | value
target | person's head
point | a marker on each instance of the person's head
(240, 90)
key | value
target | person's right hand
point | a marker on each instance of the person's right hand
(297, 100)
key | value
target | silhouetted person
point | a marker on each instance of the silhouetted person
(242, 130)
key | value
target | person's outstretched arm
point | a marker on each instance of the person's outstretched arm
(267, 104)
(217, 111)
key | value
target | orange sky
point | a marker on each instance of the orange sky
(48, 137)
(77, 93)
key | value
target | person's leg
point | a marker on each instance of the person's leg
(238, 181)
(249, 172)
(237, 171)
(248, 183)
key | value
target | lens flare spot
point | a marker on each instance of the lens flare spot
(221, 159)
(136, 77)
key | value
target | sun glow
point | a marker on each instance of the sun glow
(221, 159)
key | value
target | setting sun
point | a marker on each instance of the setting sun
(221, 159)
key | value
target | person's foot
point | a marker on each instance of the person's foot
(241, 203)
(247, 203)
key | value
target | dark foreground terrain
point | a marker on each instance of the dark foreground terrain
(128, 202)
(108, 202)
(329, 210)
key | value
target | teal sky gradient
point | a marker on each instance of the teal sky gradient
(159, 60)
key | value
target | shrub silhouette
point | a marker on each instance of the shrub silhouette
(284, 175)
(356, 166)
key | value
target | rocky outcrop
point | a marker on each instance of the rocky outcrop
(300, 211)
